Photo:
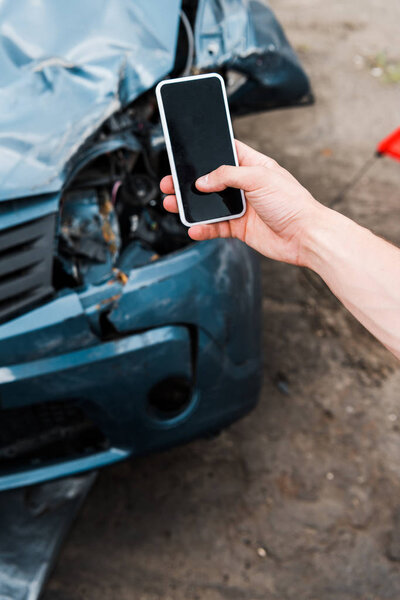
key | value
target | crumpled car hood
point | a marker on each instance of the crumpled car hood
(65, 68)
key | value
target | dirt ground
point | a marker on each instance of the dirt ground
(301, 499)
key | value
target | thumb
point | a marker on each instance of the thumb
(244, 178)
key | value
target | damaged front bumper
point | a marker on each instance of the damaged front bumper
(168, 353)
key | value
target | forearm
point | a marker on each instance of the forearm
(361, 269)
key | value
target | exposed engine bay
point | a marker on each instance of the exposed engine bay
(111, 211)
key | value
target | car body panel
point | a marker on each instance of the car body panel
(185, 320)
(37, 475)
(78, 64)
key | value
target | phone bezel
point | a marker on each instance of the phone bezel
(171, 154)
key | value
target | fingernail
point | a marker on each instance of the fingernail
(202, 180)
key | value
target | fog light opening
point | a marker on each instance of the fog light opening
(169, 398)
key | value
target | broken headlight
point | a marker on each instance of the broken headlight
(112, 217)
(90, 238)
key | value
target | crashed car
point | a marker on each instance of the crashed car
(118, 334)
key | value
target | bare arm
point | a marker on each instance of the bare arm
(361, 269)
(284, 222)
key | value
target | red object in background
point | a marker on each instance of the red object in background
(390, 145)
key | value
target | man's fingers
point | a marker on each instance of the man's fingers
(199, 232)
(203, 232)
(167, 185)
(244, 178)
(248, 157)
(170, 204)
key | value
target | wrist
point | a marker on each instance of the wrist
(322, 235)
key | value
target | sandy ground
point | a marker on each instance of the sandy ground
(300, 500)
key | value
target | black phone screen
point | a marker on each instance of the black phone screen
(200, 139)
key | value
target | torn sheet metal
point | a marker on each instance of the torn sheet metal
(33, 523)
(65, 68)
(245, 36)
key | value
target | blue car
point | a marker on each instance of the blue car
(118, 335)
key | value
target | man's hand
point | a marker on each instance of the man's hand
(279, 209)
(283, 221)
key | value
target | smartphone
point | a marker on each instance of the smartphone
(199, 138)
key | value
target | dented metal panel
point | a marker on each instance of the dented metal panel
(245, 36)
(65, 68)
(198, 287)
(57, 353)
(59, 326)
(85, 373)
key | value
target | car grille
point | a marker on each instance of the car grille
(26, 258)
(46, 433)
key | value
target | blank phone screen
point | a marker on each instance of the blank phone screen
(201, 142)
